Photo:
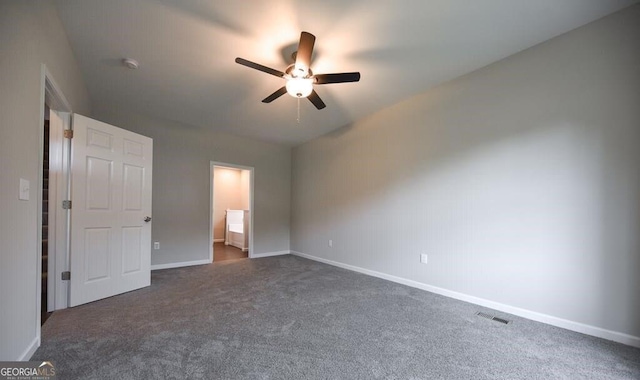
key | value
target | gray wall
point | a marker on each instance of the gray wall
(520, 181)
(181, 184)
(30, 34)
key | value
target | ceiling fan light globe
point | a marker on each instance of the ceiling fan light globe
(299, 87)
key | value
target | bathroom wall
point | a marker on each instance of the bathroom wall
(227, 194)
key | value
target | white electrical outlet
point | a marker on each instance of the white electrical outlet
(156, 245)
(423, 258)
(24, 190)
(330, 243)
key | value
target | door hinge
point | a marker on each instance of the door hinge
(68, 133)
(66, 276)
(66, 205)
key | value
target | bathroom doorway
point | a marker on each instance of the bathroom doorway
(231, 211)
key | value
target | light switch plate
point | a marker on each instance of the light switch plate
(24, 189)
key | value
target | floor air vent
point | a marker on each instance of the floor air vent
(493, 318)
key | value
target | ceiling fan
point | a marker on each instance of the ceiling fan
(300, 79)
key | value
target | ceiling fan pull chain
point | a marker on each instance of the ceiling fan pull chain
(298, 111)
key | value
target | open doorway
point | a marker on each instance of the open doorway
(231, 211)
(52, 189)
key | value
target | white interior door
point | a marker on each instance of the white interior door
(111, 202)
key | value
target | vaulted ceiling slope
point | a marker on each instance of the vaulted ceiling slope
(186, 50)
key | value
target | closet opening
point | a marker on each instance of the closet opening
(45, 310)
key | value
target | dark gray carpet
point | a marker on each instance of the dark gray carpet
(291, 318)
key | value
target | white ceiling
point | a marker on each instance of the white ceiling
(186, 51)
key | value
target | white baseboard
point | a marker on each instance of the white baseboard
(30, 350)
(268, 254)
(237, 245)
(180, 264)
(218, 240)
(615, 336)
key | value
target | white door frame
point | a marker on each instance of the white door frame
(59, 149)
(52, 96)
(251, 209)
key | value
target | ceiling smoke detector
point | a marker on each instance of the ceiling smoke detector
(130, 63)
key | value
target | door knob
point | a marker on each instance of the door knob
(147, 219)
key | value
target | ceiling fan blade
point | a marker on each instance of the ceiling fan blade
(336, 78)
(305, 49)
(315, 99)
(259, 67)
(281, 91)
